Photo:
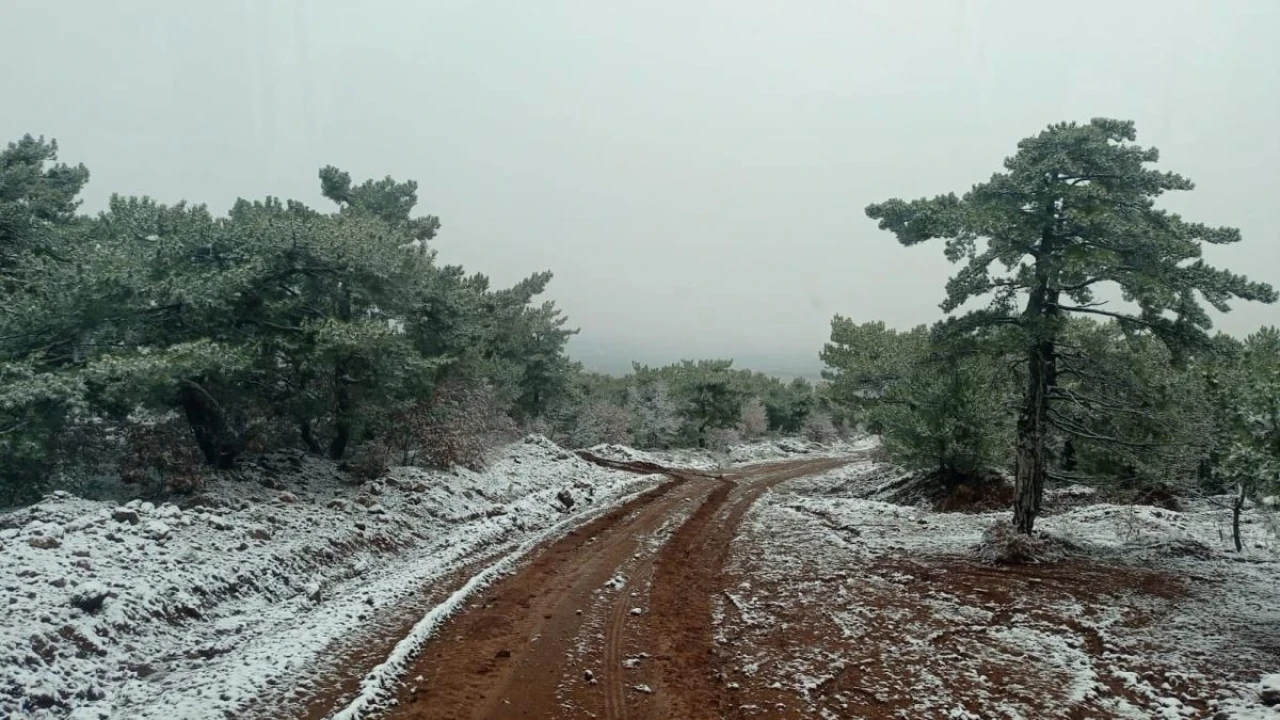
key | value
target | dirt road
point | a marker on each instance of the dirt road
(705, 598)
(613, 621)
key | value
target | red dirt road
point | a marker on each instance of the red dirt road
(613, 621)
(682, 604)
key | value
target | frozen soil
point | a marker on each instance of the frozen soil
(233, 603)
(840, 606)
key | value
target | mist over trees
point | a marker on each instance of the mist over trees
(690, 404)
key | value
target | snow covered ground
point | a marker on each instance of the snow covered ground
(141, 611)
(847, 606)
(741, 454)
(840, 604)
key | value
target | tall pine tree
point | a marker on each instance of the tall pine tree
(1074, 210)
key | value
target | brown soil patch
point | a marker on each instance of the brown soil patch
(923, 636)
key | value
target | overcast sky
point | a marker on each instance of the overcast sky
(694, 172)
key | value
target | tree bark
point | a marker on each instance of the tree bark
(341, 413)
(309, 437)
(1236, 507)
(1040, 319)
(213, 434)
(1033, 433)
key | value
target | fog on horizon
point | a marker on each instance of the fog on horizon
(694, 173)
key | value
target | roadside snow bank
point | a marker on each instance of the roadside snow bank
(148, 611)
(682, 458)
(787, 448)
(742, 454)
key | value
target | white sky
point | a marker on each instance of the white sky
(694, 172)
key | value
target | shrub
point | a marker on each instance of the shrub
(819, 428)
(462, 424)
(160, 457)
(370, 461)
(721, 439)
(654, 415)
(753, 420)
(600, 421)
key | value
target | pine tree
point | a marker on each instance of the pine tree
(655, 415)
(867, 365)
(37, 196)
(1073, 211)
(1249, 395)
(939, 406)
(38, 201)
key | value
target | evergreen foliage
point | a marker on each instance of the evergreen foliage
(274, 325)
(1073, 212)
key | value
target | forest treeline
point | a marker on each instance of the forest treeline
(149, 343)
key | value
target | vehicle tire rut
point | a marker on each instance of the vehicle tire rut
(549, 640)
(689, 573)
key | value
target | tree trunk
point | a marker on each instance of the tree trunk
(341, 413)
(309, 437)
(1236, 507)
(342, 392)
(217, 441)
(1033, 432)
(1039, 319)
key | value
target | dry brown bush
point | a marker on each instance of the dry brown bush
(161, 457)
(459, 426)
(370, 461)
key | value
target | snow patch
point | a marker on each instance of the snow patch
(200, 610)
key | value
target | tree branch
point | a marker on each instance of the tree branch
(1106, 313)
(1072, 428)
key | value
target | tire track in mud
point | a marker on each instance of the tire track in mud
(612, 668)
(690, 573)
(623, 628)
(615, 698)
(512, 655)
(549, 640)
